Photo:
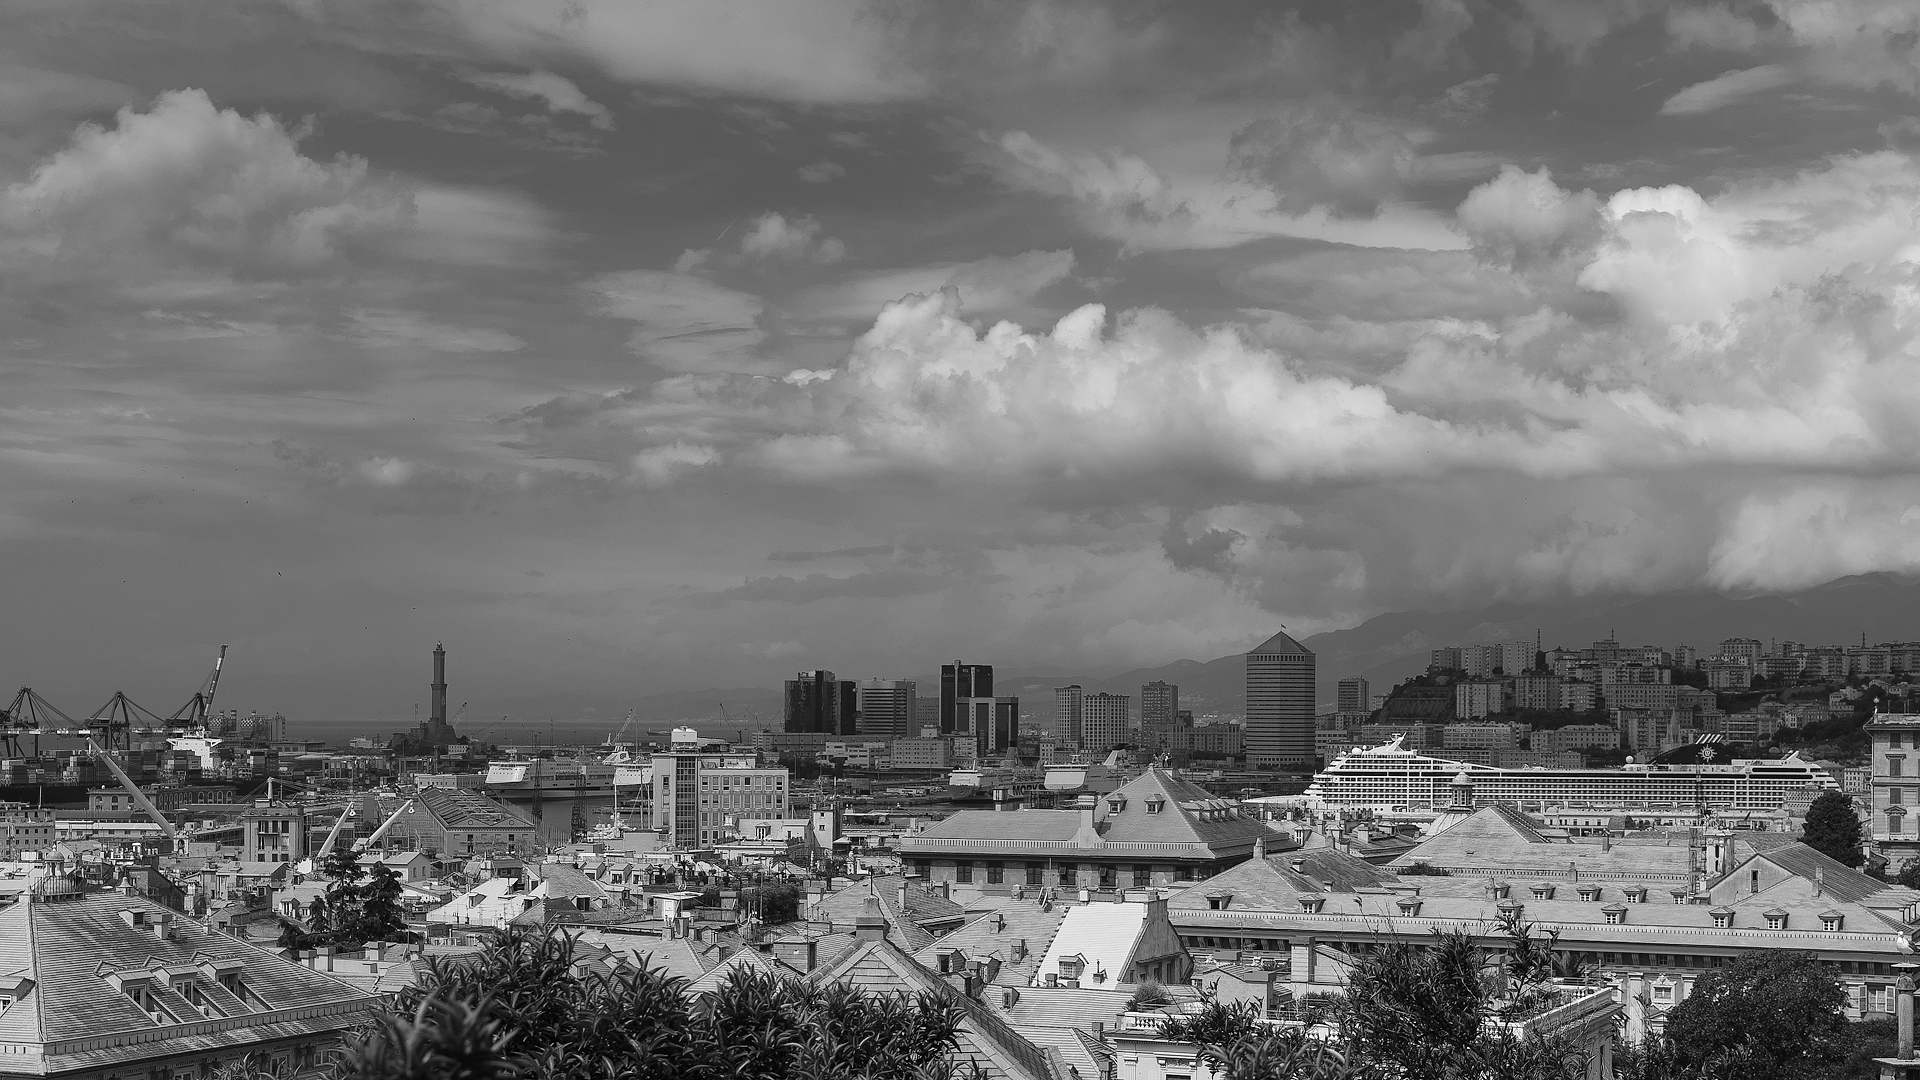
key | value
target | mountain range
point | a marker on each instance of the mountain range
(1384, 649)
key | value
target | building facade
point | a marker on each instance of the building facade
(888, 708)
(1104, 721)
(1159, 714)
(1894, 802)
(1281, 677)
(966, 703)
(819, 702)
(1354, 696)
(1157, 830)
(698, 799)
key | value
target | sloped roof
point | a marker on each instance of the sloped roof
(909, 927)
(985, 1038)
(1837, 878)
(69, 946)
(998, 825)
(1186, 814)
(994, 934)
(1271, 883)
(1280, 644)
(456, 809)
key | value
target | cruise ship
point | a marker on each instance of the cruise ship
(1391, 777)
(549, 778)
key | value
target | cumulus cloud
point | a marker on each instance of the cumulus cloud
(776, 238)
(557, 93)
(1520, 217)
(188, 183)
(821, 172)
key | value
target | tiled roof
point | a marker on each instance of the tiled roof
(1837, 878)
(912, 928)
(1101, 937)
(994, 935)
(986, 1040)
(69, 947)
(1158, 807)
(1063, 1007)
(999, 825)
(1272, 882)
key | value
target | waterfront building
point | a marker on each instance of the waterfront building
(1392, 776)
(699, 798)
(816, 701)
(888, 707)
(1280, 700)
(454, 821)
(1156, 830)
(104, 984)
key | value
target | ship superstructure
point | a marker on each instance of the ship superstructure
(1393, 777)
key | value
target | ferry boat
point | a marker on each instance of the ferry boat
(549, 778)
(1391, 777)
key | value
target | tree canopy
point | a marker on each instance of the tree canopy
(1771, 1014)
(520, 1010)
(1833, 829)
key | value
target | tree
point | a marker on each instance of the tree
(772, 902)
(379, 918)
(1409, 1011)
(517, 1011)
(1768, 1014)
(1833, 829)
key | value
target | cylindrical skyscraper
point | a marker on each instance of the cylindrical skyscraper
(439, 719)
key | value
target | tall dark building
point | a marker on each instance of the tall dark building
(439, 714)
(1280, 699)
(1159, 712)
(966, 702)
(1006, 724)
(817, 702)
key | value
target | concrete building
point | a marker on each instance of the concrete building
(25, 828)
(1725, 673)
(1353, 696)
(1105, 721)
(1536, 690)
(1280, 704)
(966, 703)
(1894, 806)
(816, 701)
(1747, 650)
(1069, 712)
(699, 799)
(1476, 698)
(1156, 830)
(1159, 714)
(1576, 737)
(273, 833)
(888, 708)
(106, 985)
(923, 753)
(1006, 725)
(451, 821)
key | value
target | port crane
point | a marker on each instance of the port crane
(362, 844)
(199, 708)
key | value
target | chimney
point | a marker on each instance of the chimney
(870, 924)
(902, 895)
(1020, 949)
(1606, 841)
(999, 922)
(1903, 1010)
(326, 954)
(1819, 880)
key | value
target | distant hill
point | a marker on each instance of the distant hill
(1385, 649)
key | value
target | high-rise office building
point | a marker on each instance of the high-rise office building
(1068, 709)
(1354, 695)
(1103, 721)
(888, 707)
(818, 702)
(966, 702)
(1006, 724)
(1280, 699)
(1159, 713)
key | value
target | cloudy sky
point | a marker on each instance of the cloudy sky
(634, 347)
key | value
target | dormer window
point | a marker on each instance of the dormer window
(1310, 903)
(1637, 894)
(1409, 906)
(1722, 918)
(1219, 901)
(1589, 892)
(1154, 804)
(1500, 890)
(1615, 913)
(1117, 804)
(1776, 919)
(1831, 920)
(1543, 891)
(1509, 908)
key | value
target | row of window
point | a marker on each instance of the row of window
(1064, 874)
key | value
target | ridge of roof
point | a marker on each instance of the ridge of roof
(1280, 644)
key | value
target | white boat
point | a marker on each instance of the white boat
(549, 777)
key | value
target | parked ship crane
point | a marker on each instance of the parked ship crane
(199, 708)
(362, 844)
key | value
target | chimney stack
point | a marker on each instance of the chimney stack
(1903, 1010)
(870, 924)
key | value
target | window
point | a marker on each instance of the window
(1066, 876)
(1034, 870)
(1776, 920)
(996, 873)
(1142, 876)
(1753, 880)
(1106, 877)
(1722, 918)
(1662, 994)
(1893, 766)
(1893, 741)
(963, 872)
(1831, 920)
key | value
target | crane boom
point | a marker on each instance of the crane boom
(213, 681)
(373, 839)
(333, 835)
(139, 797)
